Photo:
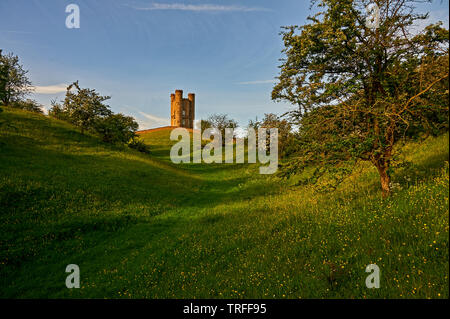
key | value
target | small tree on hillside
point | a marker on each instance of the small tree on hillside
(204, 124)
(84, 108)
(254, 124)
(28, 105)
(57, 111)
(14, 83)
(81, 107)
(116, 128)
(362, 89)
(285, 135)
(219, 122)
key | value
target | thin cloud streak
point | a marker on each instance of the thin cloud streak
(151, 121)
(199, 7)
(257, 82)
(51, 89)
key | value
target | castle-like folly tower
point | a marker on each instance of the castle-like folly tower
(182, 111)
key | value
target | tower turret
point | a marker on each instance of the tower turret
(172, 109)
(178, 107)
(182, 111)
(191, 98)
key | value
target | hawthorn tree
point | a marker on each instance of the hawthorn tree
(82, 107)
(28, 105)
(285, 135)
(360, 88)
(219, 122)
(14, 83)
(116, 128)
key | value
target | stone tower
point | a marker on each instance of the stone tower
(182, 111)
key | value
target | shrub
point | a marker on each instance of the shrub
(139, 145)
(116, 128)
(28, 105)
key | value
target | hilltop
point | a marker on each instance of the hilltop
(152, 130)
(140, 226)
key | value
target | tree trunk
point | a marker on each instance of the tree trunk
(385, 181)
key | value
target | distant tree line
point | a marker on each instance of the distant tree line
(219, 122)
(286, 133)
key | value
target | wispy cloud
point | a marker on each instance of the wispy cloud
(51, 89)
(256, 82)
(199, 7)
(151, 121)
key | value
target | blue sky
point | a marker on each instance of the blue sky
(140, 51)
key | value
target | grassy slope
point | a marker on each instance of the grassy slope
(140, 226)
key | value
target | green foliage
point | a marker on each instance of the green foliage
(85, 109)
(14, 83)
(58, 112)
(139, 145)
(286, 139)
(219, 122)
(367, 89)
(141, 227)
(116, 128)
(204, 124)
(28, 105)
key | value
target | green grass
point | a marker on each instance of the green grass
(141, 227)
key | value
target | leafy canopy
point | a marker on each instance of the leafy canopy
(84, 108)
(14, 83)
(360, 90)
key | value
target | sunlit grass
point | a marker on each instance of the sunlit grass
(140, 226)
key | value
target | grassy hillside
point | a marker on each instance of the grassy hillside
(141, 227)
